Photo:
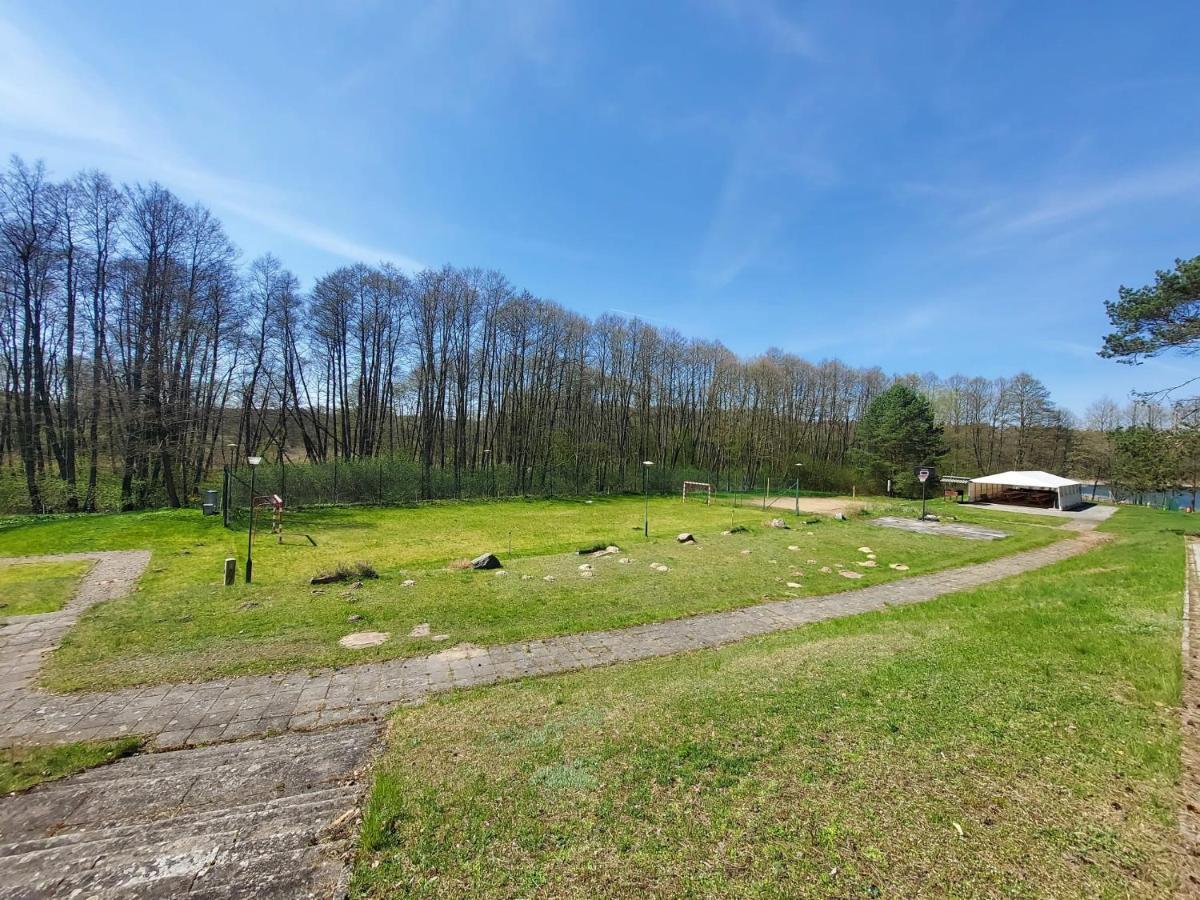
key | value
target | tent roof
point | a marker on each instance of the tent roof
(1040, 480)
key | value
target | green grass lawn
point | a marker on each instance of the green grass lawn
(23, 767)
(182, 625)
(1015, 740)
(28, 588)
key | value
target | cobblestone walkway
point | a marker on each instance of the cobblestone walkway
(188, 714)
(1189, 782)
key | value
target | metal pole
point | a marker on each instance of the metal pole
(646, 500)
(922, 500)
(250, 531)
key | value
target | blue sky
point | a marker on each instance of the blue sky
(864, 180)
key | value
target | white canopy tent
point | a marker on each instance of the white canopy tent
(1015, 486)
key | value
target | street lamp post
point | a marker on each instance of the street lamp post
(254, 461)
(488, 473)
(798, 467)
(646, 464)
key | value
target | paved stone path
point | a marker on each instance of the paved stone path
(235, 708)
(260, 818)
(25, 639)
(1189, 784)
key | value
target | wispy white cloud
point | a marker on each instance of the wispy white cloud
(1036, 211)
(50, 100)
(770, 23)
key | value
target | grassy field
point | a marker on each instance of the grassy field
(28, 588)
(182, 625)
(23, 767)
(1015, 740)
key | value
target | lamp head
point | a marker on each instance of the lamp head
(254, 460)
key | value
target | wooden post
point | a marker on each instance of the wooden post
(230, 571)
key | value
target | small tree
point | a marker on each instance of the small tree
(897, 434)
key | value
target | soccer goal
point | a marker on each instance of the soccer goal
(698, 487)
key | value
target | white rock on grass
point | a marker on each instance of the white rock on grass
(811, 562)
(899, 567)
(585, 568)
(866, 563)
(501, 572)
(407, 582)
(793, 584)
(793, 547)
(586, 573)
(547, 578)
(360, 639)
(659, 567)
(624, 560)
(825, 570)
(421, 630)
(745, 552)
(440, 637)
(846, 573)
(865, 550)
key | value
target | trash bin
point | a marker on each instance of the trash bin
(209, 504)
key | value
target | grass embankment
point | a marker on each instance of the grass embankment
(181, 625)
(1015, 740)
(28, 588)
(23, 767)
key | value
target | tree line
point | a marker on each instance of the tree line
(139, 352)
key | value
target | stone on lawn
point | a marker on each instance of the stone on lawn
(778, 523)
(501, 572)
(354, 618)
(407, 582)
(841, 517)
(486, 561)
(585, 568)
(361, 639)
(866, 563)
(686, 537)
(440, 637)
(547, 578)
(745, 553)
(624, 560)
(826, 570)
(793, 547)
(421, 630)
(865, 550)
(793, 584)
(899, 567)
(586, 573)
(846, 573)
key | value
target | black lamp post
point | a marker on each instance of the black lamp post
(646, 464)
(254, 461)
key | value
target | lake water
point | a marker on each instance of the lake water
(1175, 500)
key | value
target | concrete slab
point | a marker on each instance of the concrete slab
(1093, 512)
(948, 529)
